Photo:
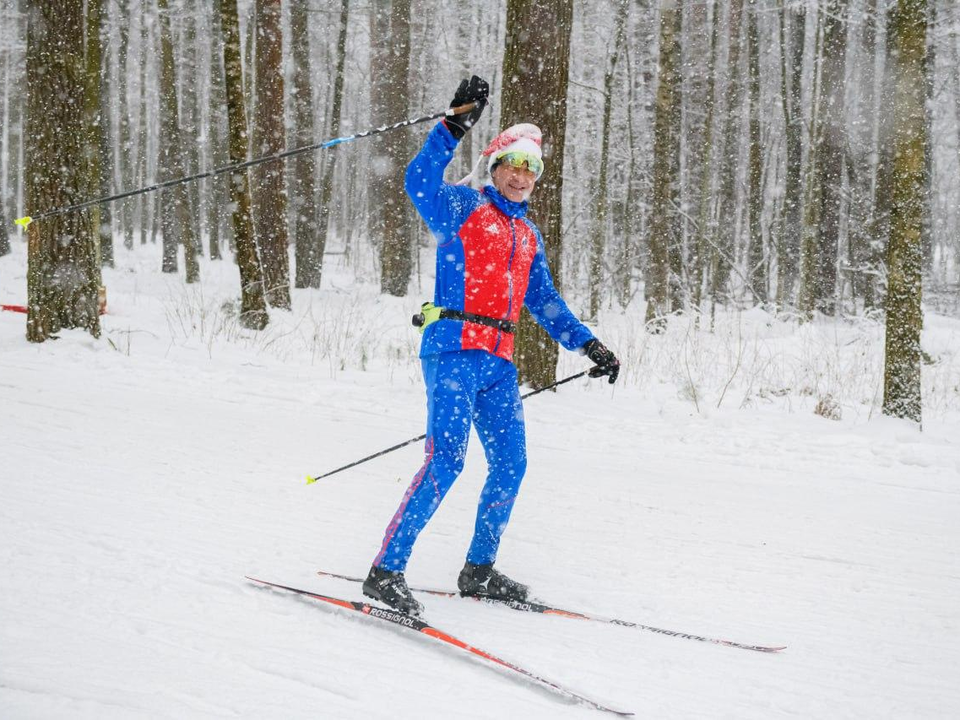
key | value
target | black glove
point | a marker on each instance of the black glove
(606, 361)
(475, 90)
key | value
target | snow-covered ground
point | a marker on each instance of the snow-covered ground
(144, 474)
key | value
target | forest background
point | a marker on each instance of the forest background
(702, 155)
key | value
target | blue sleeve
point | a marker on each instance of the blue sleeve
(443, 207)
(548, 308)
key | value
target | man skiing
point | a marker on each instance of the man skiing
(490, 262)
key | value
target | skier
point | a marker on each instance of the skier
(490, 261)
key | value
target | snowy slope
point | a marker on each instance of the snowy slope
(144, 474)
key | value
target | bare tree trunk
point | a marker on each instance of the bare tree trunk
(308, 258)
(929, 71)
(124, 146)
(830, 152)
(628, 256)
(724, 248)
(537, 55)
(190, 119)
(598, 236)
(664, 223)
(177, 225)
(4, 238)
(92, 115)
(253, 307)
(705, 226)
(791, 97)
(862, 164)
(391, 105)
(101, 138)
(756, 257)
(218, 135)
(145, 203)
(326, 181)
(63, 268)
(812, 204)
(901, 385)
(5, 62)
(270, 194)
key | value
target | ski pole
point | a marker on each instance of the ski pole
(27, 219)
(311, 479)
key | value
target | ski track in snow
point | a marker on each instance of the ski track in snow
(137, 490)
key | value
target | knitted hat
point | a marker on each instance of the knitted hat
(524, 137)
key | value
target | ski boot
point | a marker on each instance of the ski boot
(391, 589)
(485, 582)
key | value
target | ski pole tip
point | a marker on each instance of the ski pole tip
(23, 222)
(311, 480)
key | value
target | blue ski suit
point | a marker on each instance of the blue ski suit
(490, 261)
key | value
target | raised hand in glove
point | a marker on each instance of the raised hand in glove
(606, 362)
(475, 90)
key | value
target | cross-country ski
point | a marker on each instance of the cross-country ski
(543, 609)
(421, 626)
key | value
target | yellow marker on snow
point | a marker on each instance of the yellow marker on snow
(23, 222)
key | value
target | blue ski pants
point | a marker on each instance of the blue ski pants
(464, 388)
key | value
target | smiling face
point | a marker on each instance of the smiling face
(515, 184)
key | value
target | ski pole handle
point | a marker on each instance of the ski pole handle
(461, 108)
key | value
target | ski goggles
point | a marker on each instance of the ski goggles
(522, 161)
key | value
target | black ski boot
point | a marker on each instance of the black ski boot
(391, 589)
(484, 581)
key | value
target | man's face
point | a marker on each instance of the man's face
(515, 184)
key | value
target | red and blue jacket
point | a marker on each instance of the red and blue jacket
(490, 260)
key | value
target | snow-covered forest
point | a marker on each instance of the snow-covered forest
(754, 203)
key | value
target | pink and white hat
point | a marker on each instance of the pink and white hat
(523, 138)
